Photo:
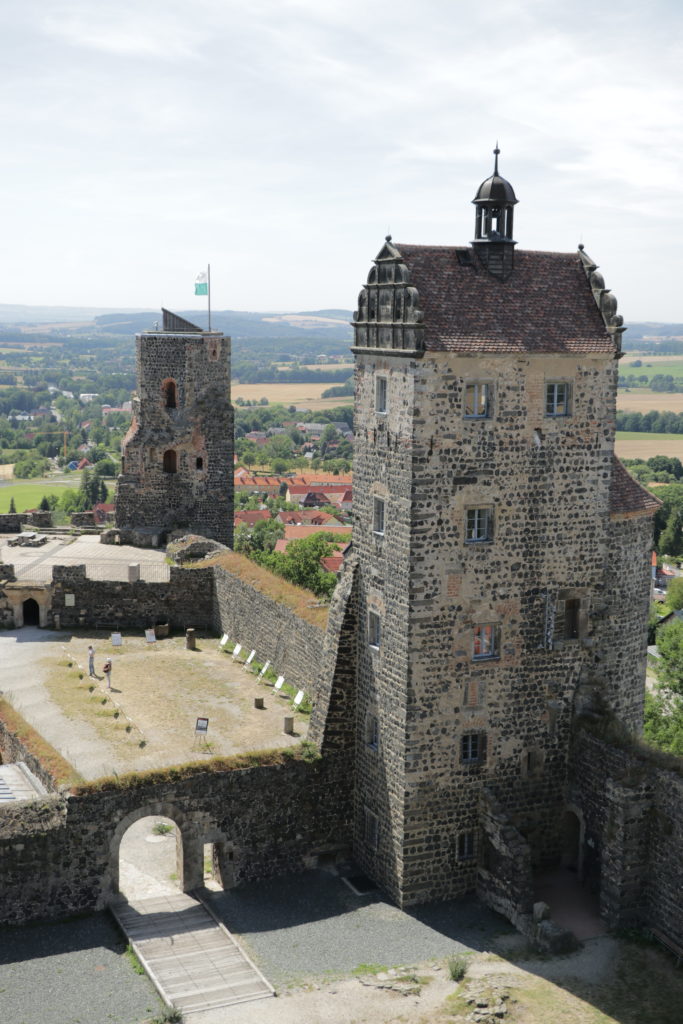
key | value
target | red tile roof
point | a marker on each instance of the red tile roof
(297, 532)
(307, 517)
(332, 563)
(546, 305)
(251, 516)
(627, 497)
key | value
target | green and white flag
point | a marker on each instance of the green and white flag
(201, 284)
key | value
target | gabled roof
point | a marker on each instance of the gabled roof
(627, 497)
(546, 305)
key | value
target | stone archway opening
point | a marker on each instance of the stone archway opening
(31, 612)
(571, 857)
(573, 902)
(150, 858)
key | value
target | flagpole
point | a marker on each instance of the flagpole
(208, 291)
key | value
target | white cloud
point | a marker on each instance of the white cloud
(270, 132)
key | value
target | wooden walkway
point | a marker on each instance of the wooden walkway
(192, 959)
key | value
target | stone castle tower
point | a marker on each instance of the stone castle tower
(502, 550)
(177, 471)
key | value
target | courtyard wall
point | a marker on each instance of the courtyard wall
(59, 856)
(633, 811)
(186, 600)
(275, 632)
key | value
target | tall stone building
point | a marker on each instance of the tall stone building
(177, 471)
(502, 549)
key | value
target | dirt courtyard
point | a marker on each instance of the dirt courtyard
(148, 719)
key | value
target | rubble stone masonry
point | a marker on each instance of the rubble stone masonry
(178, 454)
(557, 580)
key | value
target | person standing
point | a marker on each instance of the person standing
(106, 668)
(91, 661)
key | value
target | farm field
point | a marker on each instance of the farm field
(633, 445)
(643, 400)
(27, 493)
(306, 396)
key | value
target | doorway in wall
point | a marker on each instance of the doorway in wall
(31, 612)
(148, 859)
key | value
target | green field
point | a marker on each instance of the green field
(27, 493)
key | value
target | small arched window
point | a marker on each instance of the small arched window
(170, 461)
(169, 391)
(200, 462)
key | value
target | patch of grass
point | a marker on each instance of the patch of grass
(162, 829)
(132, 959)
(369, 969)
(305, 751)
(28, 495)
(457, 967)
(302, 602)
(170, 1015)
(59, 769)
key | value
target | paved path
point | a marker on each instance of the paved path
(22, 675)
(193, 961)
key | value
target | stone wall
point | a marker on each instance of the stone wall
(13, 750)
(186, 600)
(177, 470)
(61, 857)
(633, 824)
(292, 645)
(11, 522)
(83, 518)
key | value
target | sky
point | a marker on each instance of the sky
(280, 140)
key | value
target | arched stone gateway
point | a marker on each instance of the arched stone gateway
(30, 603)
(193, 832)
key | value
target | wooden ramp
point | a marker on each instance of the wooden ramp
(192, 959)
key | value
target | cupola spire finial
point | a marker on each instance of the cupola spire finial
(495, 201)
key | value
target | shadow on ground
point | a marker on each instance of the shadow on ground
(71, 972)
(313, 923)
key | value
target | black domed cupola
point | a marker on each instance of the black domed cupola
(495, 201)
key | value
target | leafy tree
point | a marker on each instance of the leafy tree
(671, 538)
(674, 593)
(44, 504)
(12, 505)
(670, 647)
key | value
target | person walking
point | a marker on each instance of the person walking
(106, 668)
(91, 661)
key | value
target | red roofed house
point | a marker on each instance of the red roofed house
(251, 516)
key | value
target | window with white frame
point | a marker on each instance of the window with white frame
(371, 829)
(557, 398)
(372, 731)
(374, 629)
(473, 747)
(477, 404)
(478, 525)
(378, 516)
(380, 394)
(466, 847)
(486, 640)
